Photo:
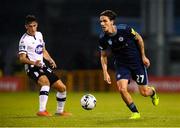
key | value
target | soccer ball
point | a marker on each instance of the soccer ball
(88, 102)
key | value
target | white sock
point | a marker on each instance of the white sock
(43, 97)
(61, 99)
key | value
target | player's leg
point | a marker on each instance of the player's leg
(123, 76)
(61, 98)
(56, 83)
(43, 95)
(122, 87)
(37, 74)
(154, 97)
(60, 95)
(146, 90)
(141, 78)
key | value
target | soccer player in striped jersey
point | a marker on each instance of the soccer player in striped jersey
(127, 47)
(32, 51)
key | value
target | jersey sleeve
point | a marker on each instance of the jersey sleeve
(22, 47)
(102, 43)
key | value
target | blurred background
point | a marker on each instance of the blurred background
(71, 31)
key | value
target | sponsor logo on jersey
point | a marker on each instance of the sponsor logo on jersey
(29, 48)
(121, 39)
(39, 49)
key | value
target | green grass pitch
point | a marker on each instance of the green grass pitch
(19, 110)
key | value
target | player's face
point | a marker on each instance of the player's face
(106, 24)
(31, 28)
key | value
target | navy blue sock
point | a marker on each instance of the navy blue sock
(132, 107)
(153, 93)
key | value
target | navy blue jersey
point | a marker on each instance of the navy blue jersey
(128, 60)
(123, 45)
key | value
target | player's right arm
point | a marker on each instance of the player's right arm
(104, 63)
(104, 67)
(23, 55)
(23, 59)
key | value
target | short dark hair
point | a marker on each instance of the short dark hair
(110, 14)
(30, 18)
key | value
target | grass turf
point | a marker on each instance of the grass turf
(19, 110)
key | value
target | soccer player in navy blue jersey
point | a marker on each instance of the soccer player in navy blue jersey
(130, 60)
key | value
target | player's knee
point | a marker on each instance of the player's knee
(122, 90)
(144, 92)
(43, 81)
(59, 86)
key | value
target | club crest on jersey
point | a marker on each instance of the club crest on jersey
(39, 49)
(118, 76)
(110, 42)
(121, 39)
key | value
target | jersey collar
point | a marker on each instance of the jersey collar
(31, 35)
(113, 34)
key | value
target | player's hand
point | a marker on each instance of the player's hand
(52, 63)
(107, 77)
(146, 61)
(38, 63)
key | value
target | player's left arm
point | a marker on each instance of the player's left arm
(140, 42)
(48, 58)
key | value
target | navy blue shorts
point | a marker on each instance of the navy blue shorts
(138, 74)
